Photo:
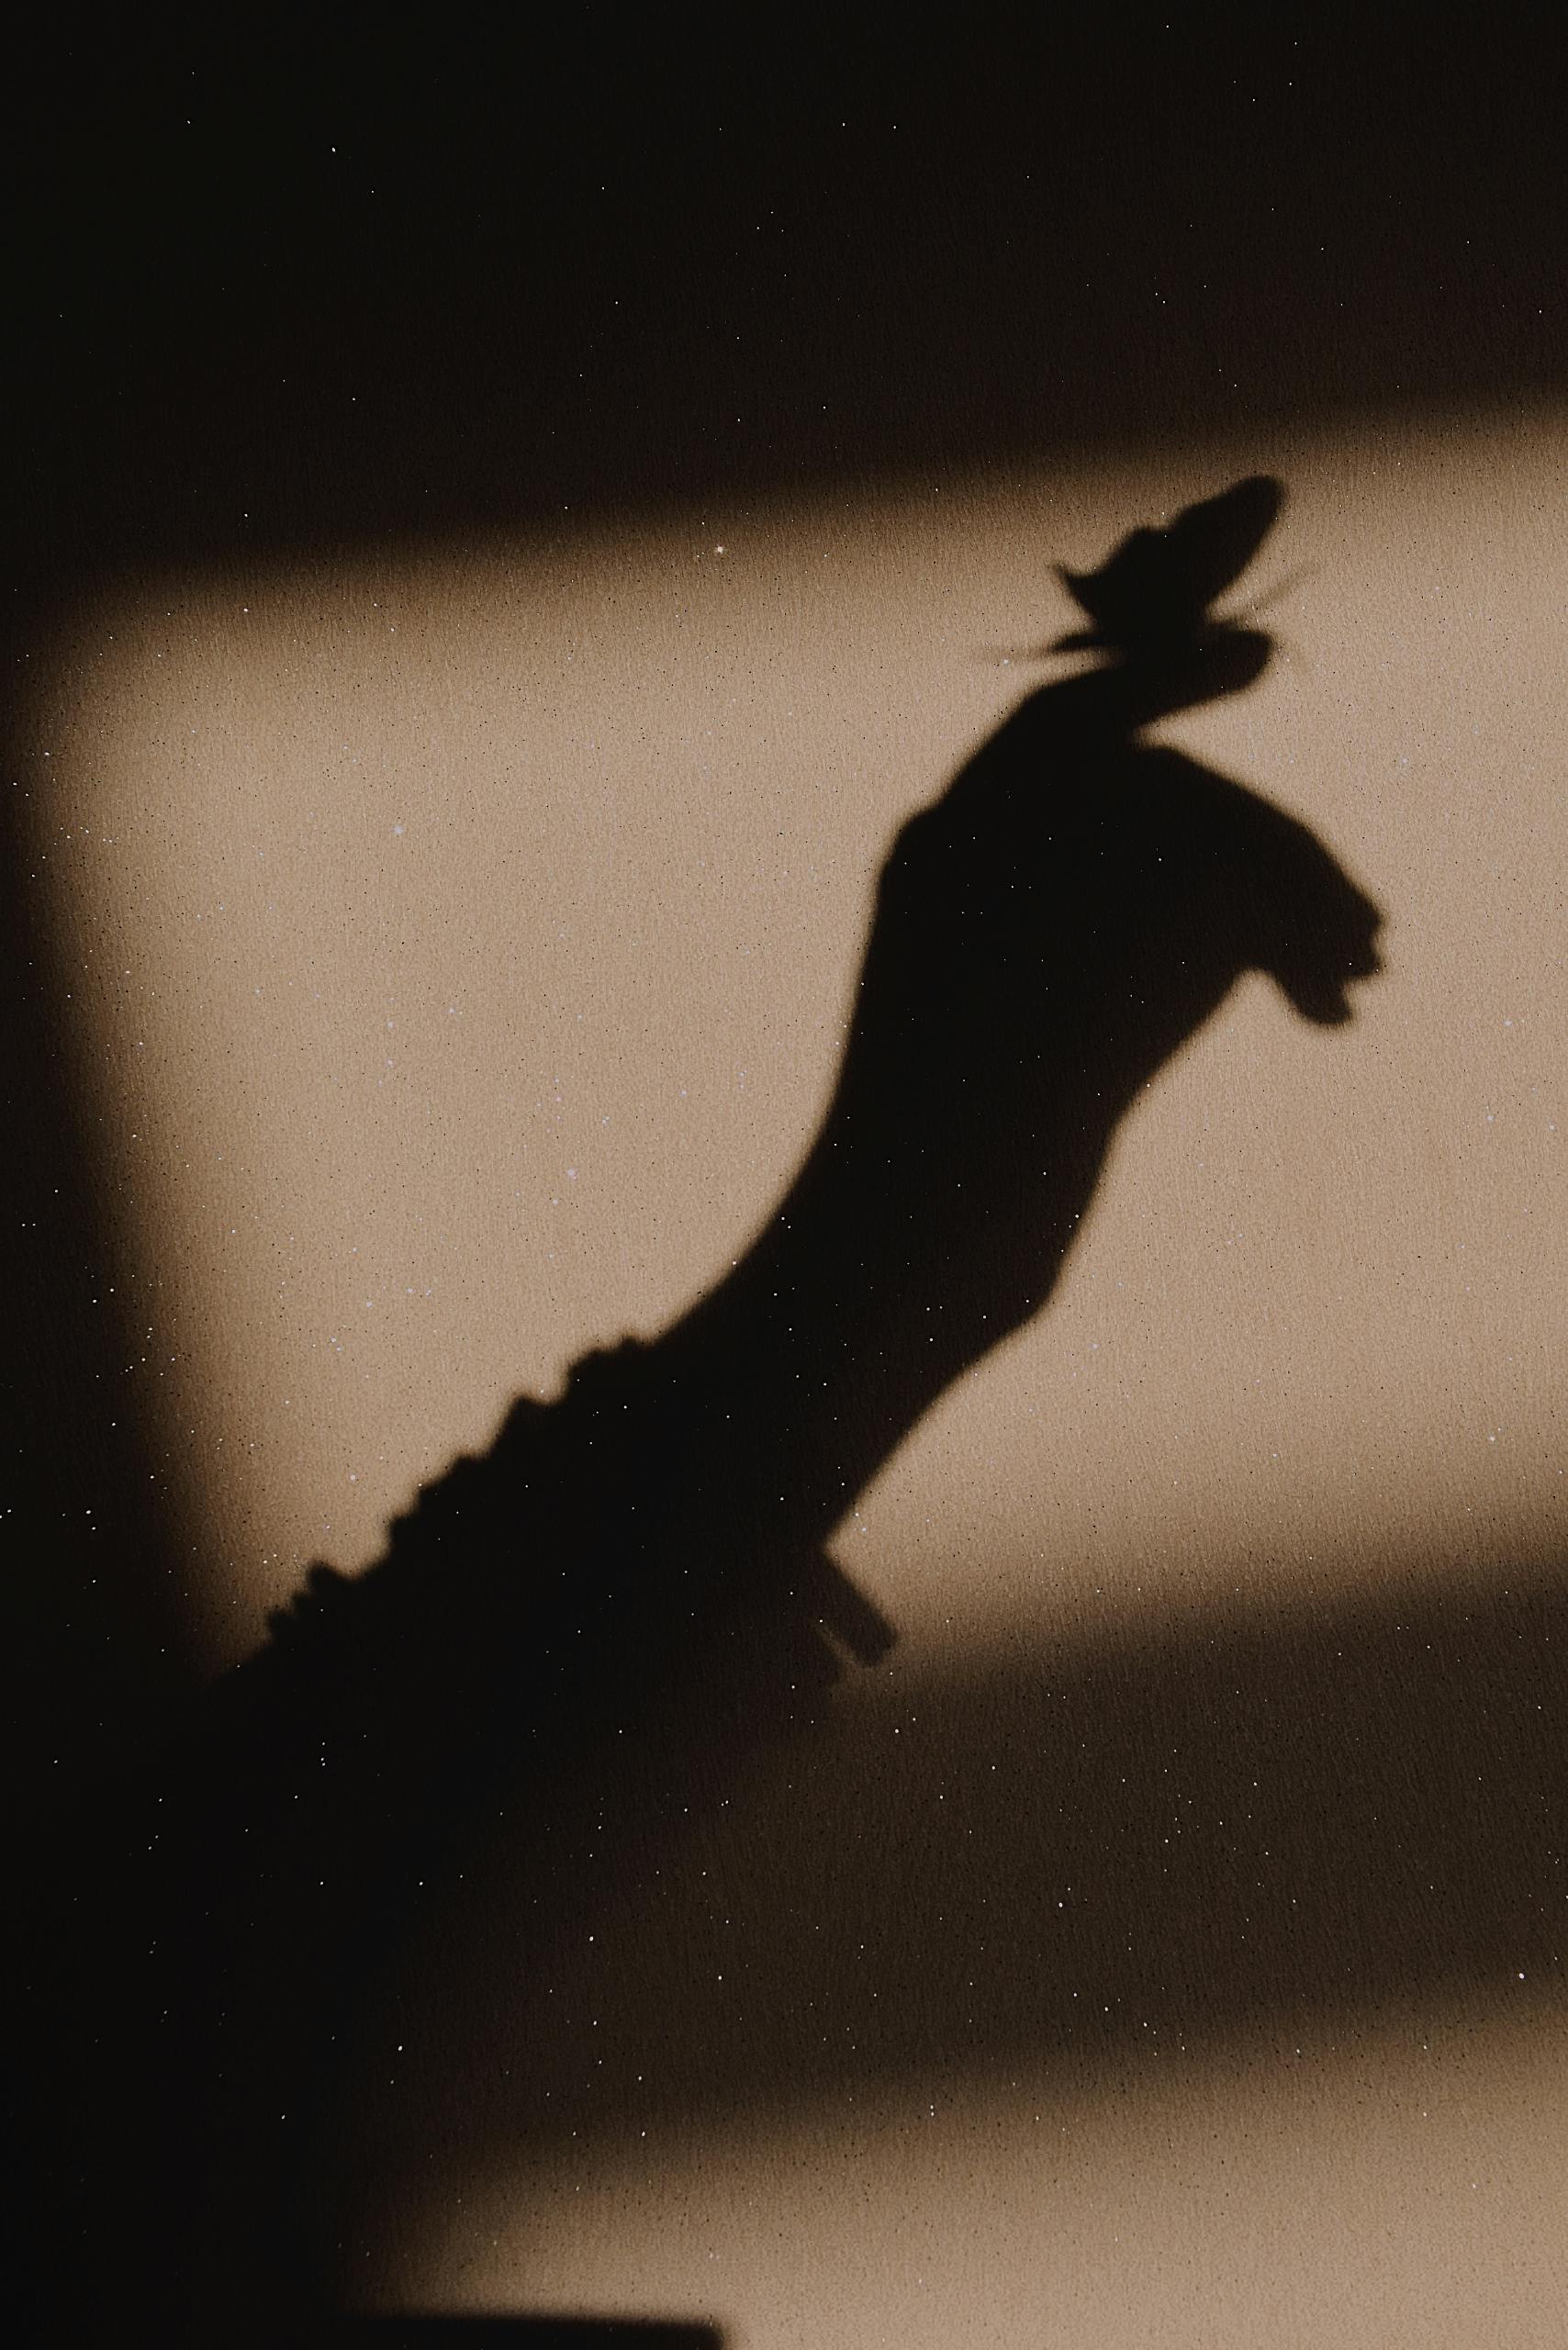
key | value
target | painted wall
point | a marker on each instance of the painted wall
(461, 939)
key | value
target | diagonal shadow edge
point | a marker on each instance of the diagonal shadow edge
(1299, 1816)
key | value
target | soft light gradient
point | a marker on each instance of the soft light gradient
(460, 941)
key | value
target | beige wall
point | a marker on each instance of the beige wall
(461, 938)
(1404, 2189)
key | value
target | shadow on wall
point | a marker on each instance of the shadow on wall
(631, 1591)
(528, 2333)
(1283, 1818)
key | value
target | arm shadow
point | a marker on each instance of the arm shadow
(630, 1593)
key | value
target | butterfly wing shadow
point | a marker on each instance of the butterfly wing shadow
(1156, 588)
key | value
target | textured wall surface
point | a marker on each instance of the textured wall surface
(461, 939)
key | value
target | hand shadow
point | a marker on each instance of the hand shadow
(1048, 937)
(633, 1587)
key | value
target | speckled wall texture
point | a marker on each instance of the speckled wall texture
(510, 541)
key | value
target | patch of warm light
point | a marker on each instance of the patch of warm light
(461, 942)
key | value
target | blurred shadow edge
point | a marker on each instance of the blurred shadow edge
(534, 2332)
